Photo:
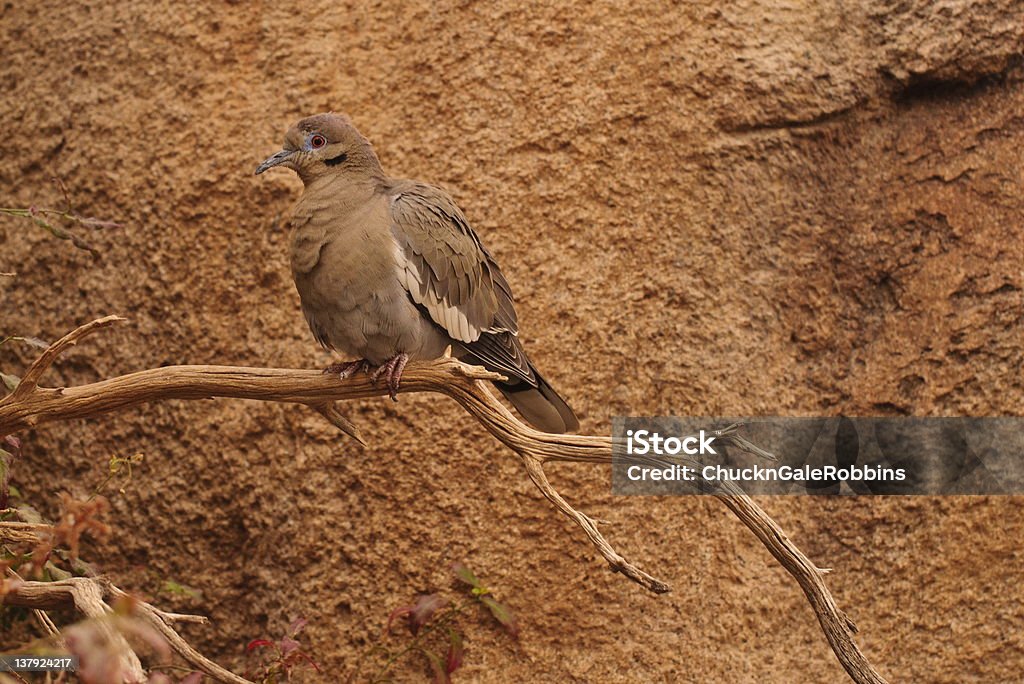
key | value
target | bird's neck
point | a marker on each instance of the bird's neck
(343, 188)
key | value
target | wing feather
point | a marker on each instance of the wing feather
(451, 276)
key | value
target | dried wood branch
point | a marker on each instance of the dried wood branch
(31, 405)
(85, 596)
(90, 596)
(23, 532)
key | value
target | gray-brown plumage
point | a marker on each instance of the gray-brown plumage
(389, 270)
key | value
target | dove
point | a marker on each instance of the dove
(389, 271)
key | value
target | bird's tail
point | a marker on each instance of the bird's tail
(541, 406)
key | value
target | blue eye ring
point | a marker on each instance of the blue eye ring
(317, 141)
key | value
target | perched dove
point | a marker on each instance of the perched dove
(389, 270)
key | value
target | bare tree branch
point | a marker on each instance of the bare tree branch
(88, 596)
(85, 596)
(22, 532)
(31, 405)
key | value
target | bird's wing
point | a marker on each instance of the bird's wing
(450, 275)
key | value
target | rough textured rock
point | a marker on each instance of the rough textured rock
(765, 208)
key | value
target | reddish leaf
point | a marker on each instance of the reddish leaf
(440, 675)
(258, 643)
(193, 678)
(288, 645)
(456, 652)
(466, 575)
(298, 624)
(423, 610)
(502, 614)
(310, 661)
(285, 655)
(97, 223)
(418, 613)
(401, 611)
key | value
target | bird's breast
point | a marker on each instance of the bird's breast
(345, 266)
(341, 258)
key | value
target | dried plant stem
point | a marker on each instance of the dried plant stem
(30, 405)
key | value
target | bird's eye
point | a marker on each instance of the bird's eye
(317, 141)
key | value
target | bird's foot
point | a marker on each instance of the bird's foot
(391, 372)
(346, 369)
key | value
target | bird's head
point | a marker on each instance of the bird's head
(324, 144)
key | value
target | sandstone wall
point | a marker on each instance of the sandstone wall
(760, 208)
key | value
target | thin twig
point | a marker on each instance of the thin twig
(183, 617)
(30, 380)
(40, 217)
(535, 469)
(156, 618)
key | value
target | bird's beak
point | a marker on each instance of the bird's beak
(281, 157)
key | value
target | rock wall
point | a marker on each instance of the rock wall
(759, 208)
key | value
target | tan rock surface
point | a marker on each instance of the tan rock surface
(766, 208)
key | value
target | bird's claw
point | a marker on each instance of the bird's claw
(391, 372)
(346, 369)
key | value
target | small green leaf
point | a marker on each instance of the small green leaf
(172, 587)
(81, 568)
(466, 575)
(30, 515)
(502, 614)
(55, 573)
